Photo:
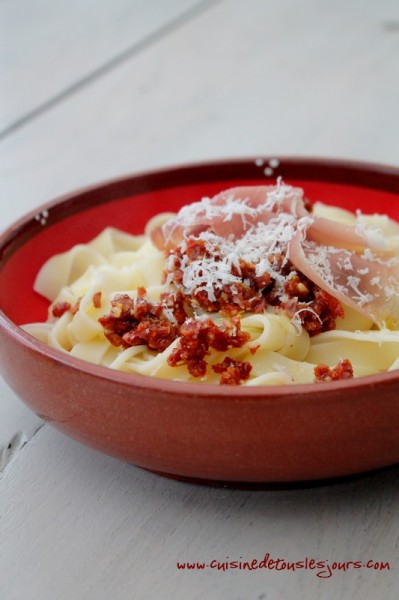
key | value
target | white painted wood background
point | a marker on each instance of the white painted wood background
(91, 89)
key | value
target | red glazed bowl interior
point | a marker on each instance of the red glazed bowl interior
(214, 433)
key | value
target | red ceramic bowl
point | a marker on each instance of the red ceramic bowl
(190, 431)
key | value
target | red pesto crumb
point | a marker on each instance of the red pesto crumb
(157, 334)
(317, 310)
(197, 336)
(230, 300)
(253, 349)
(343, 370)
(233, 371)
(97, 300)
(60, 308)
(135, 322)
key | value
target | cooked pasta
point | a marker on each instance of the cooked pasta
(254, 287)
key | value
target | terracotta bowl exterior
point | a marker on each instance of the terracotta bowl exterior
(208, 433)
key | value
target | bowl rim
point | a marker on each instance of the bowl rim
(173, 387)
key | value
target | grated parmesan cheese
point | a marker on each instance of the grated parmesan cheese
(239, 230)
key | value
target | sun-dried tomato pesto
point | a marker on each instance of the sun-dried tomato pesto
(343, 370)
(133, 322)
(315, 310)
(233, 371)
(198, 336)
(60, 308)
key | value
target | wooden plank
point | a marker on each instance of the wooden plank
(17, 425)
(51, 48)
(283, 78)
(87, 526)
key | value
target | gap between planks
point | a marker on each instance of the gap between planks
(130, 52)
(14, 446)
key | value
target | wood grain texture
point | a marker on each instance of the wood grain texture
(89, 527)
(17, 425)
(51, 49)
(285, 78)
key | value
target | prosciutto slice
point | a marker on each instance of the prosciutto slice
(346, 261)
(365, 282)
(329, 233)
(231, 212)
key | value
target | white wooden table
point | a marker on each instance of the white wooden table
(92, 89)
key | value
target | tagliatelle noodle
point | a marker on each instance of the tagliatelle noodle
(279, 350)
